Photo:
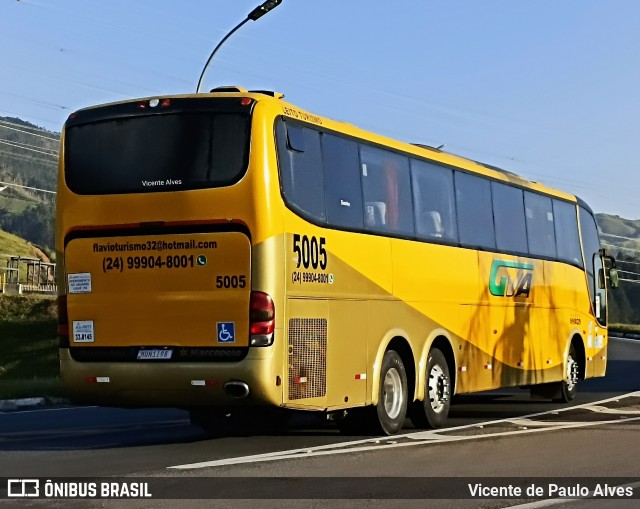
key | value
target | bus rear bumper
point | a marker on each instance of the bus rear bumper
(249, 382)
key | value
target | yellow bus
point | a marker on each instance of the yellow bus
(230, 253)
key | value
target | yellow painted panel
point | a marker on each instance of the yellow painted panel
(160, 290)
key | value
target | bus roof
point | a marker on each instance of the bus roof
(276, 102)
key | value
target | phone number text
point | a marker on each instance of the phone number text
(119, 263)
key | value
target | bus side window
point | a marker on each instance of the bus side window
(435, 212)
(301, 175)
(475, 211)
(343, 192)
(509, 217)
(540, 230)
(566, 225)
(386, 187)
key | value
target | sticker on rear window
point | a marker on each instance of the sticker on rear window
(226, 332)
(83, 331)
(79, 283)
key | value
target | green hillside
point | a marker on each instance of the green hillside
(28, 169)
(621, 238)
(11, 244)
(616, 225)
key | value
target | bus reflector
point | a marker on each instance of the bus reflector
(261, 319)
(246, 101)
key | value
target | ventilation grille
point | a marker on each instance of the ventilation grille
(307, 358)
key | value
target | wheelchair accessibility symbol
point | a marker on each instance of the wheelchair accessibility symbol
(226, 332)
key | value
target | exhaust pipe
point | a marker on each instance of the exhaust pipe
(236, 389)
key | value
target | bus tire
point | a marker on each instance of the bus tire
(433, 410)
(391, 409)
(567, 389)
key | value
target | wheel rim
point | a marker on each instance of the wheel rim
(392, 393)
(438, 389)
(572, 373)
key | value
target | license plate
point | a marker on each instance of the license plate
(153, 354)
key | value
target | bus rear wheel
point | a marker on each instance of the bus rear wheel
(433, 410)
(391, 409)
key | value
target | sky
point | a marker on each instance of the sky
(547, 89)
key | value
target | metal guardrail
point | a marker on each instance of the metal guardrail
(626, 335)
(27, 275)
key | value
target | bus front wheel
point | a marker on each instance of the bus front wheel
(391, 409)
(432, 411)
(569, 388)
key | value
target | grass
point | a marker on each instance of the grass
(11, 244)
(29, 365)
(15, 204)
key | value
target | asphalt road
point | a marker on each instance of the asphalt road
(502, 435)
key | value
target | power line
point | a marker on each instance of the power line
(621, 248)
(26, 147)
(9, 125)
(618, 236)
(28, 187)
(629, 272)
(634, 281)
(29, 159)
(628, 262)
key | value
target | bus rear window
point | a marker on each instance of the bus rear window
(154, 153)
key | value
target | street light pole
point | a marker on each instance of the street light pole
(254, 15)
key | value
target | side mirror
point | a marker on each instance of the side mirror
(611, 271)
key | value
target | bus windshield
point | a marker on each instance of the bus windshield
(159, 152)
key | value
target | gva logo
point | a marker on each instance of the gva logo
(506, 282)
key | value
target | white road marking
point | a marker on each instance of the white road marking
(605, 410)
(419, 438)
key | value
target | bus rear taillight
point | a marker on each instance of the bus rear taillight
(262, 319)
(63, 322)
